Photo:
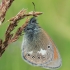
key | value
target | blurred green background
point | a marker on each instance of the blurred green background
(55, 20)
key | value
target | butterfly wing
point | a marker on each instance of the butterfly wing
(56, 61)
(41, 51)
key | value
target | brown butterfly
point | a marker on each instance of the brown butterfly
(38, 48)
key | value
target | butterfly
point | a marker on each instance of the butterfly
(37, 47)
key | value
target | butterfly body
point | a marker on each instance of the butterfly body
(37, 47)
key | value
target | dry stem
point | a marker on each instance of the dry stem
(9, 37)
(5, 4)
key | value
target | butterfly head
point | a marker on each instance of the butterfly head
(32, 26)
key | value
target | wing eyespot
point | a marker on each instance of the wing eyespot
(33, 56)
(38, 57)
(28, 54)
(48, 46)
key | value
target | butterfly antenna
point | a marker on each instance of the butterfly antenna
(34, 8)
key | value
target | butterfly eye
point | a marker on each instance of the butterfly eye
(34, 21)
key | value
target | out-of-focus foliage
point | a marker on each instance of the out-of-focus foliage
(55, 20)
